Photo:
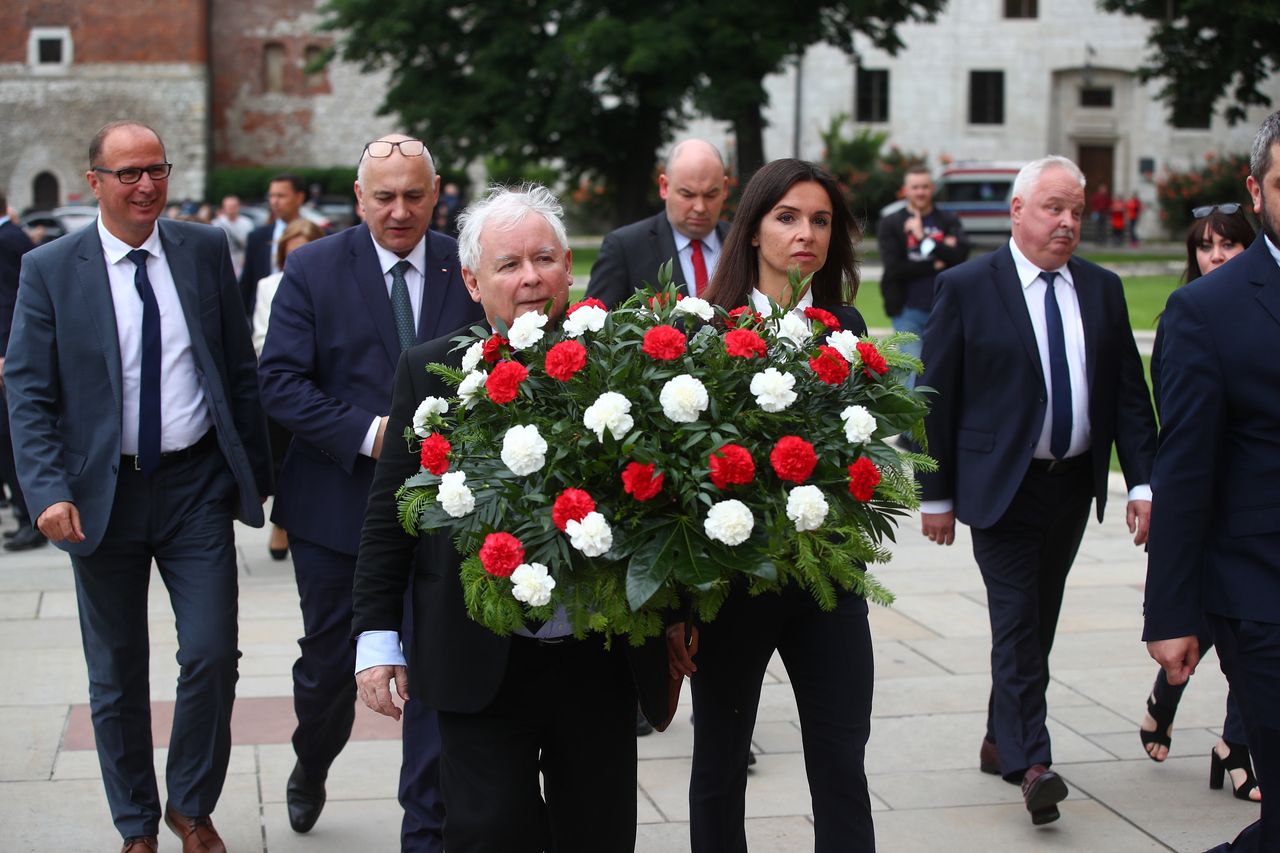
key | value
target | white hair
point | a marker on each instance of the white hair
(1029, 174)
(506, 207)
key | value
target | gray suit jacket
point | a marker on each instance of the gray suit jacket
(631, 255)
(63, 373)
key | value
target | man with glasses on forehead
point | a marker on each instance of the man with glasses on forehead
(348, 305)
(139, 436)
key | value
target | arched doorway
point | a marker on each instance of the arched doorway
(44, 191)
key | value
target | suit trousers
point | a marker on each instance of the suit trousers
(829, 661)
(1024, 559)
(180, 517)
(1249, 653)
(565, 710)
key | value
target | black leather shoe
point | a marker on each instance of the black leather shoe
(989, 758)
(305, 798)
(1042, 789)
(26, 538)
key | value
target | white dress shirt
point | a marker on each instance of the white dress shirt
(760, 303)
(684, 251)
(184, 413)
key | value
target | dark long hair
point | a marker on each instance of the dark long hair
(738, 270)
(1233, 226)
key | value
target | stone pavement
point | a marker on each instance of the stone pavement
(931, 693)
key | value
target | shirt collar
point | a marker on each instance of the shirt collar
(710, 243)
(116, 249)
(1271, 247)
(417, 256)
(760, 302)
(1029, 272)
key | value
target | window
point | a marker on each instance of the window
(313, 65)
(1020, 8)
(986, 97)
(873, 95)
(273, 67)
(1096, 96)
(49, 48)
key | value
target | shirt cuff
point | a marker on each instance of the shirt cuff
(378, 648)
(366, 446)
(1140, 493)
(935, 507)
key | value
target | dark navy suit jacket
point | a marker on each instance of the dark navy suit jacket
(327, 368)
(631, 256)
(257, 263)
(1215, 517)
(980, 355)
(14, 243)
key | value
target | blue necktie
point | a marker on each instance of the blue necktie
(401, 307)
(149, 398)
(1059, 373)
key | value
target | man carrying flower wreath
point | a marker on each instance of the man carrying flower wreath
(538, 701)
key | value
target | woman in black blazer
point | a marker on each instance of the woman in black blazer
(792, 214)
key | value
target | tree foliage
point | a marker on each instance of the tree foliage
(1203, 51)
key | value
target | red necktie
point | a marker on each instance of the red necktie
(699, 267)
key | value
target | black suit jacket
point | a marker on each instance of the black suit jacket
(980, 354)
(257, 263)
(631, 256)
(456, 664)
(14, 243)
(899, 269)
(1215, 519)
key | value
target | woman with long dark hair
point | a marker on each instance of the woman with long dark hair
(792, 216)
(1218, 233)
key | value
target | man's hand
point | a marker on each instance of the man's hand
(61, 523)
(679, 656)
(939, 527)
(1177, 657)
(914, 225)
(1138, 516)
(382, 431)
(374, 686)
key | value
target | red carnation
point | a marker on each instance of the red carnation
(864, 476)
(500, 554)
(589, 301)
(731, 465)
(565, 359)
(824, 317)
(664, 343)
(571, 505)
(736, 314)
(435, 453)
(872, 360)
(744, 343)
(493, 348)
(504, 381)
(830, 365)
(793, 458)
(659, 300)
(640, 482)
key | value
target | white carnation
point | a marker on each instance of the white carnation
(699, 308)
(611, 411)
(526, 330)
(454, 495)
(773, 389)
(806, 507)
(588, 318)
(859, 424)
(471, 388)
(795, 330)
(729, 522)
(592, 536)
(472, 357)
(427, 408)
(683, 399)
(846, 343)
(524, 451)
(531, 584)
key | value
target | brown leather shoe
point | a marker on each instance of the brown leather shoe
(989, 758)
(197, 833)
(1042, 789)
(141, 844)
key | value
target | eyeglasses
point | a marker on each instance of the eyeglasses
(1228, 209)
(156, 171)
(408, 148)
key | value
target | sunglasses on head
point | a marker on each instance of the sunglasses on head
(1228, 209)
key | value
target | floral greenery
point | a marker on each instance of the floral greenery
(662, 555)
(870, 179)
(1220, 179)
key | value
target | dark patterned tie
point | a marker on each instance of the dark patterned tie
(149, 396)
(401, 307)
(1059, 373)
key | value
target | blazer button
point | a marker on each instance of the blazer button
(115, 469)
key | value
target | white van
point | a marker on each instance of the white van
(978, 192)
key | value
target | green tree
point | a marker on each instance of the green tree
(1204, 51)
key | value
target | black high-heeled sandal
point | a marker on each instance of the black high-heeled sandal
(1237, 759)
(1163, 715)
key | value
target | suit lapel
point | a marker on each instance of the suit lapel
(186, 272)
(1009, 288)
(91, 271)
(1092, 315)
(1266, 274)
(367, 274)
(665, 240)
(435, 288)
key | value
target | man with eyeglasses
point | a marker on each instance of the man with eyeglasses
(348, 305)
(139, 437)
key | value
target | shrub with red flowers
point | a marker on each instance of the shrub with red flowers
(640, 484)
